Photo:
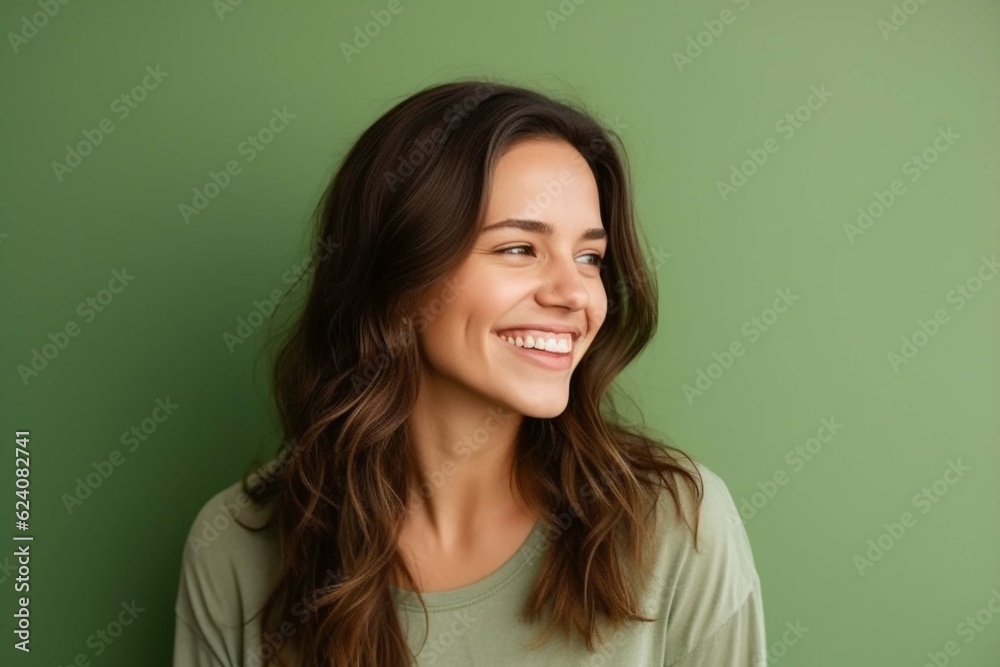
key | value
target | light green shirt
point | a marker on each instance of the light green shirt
(707, 603)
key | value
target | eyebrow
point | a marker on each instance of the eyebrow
(544, 228)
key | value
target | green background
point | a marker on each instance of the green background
(827, 356)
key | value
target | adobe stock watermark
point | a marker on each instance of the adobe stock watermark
(263, 309)
(462, 450)
(656, 258)
(970, 627)
(276, 639)
(714, 28)
(363, 35)
(796, 458)
(752, 329)
(418, 321)
(562, 12)
(423, 149)
(915, 167)
(598, 145)
(211, 528)
(924, 500)
(88, 310)
(605, 652)
(779, 649)
(901, 13)
(133, 438)
(926, 330)
(122, 106)
(31, 25)
(429, 311)
(248, 149)
(229, 511)
(6, 569)
(447, 638)
(223, 7)
(101, 639)
(787, 125)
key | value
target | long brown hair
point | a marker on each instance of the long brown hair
(402, 212)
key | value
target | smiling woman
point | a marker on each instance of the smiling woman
(562, 535)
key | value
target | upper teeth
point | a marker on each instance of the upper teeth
(539, 340)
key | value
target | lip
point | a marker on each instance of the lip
(547, 360)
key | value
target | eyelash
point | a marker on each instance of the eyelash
(599, 263)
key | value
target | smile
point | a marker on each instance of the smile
(557, 343)
(539, 355)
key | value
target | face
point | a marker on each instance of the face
(527, 281)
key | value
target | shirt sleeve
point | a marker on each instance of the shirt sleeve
(715, 614)
(199, 641)
(740, 642)
(209, 629)
(191, 649)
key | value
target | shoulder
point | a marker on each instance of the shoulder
(698, 586)
(720, 530)
(226, 567)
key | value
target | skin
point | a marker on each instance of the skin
(464, 519)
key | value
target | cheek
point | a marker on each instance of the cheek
(451, 320)
(600, 293)
(599, 305)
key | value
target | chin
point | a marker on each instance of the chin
(541, 409)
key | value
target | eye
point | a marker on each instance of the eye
(506, 251)
(598, 260)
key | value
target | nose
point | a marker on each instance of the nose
(563, 286)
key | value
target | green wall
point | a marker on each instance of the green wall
(886, 87)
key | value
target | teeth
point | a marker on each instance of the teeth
(557, 345)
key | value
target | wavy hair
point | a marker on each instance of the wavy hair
(403, 211)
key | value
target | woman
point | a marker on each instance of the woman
(450, 491)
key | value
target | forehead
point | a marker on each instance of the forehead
(544, 179)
